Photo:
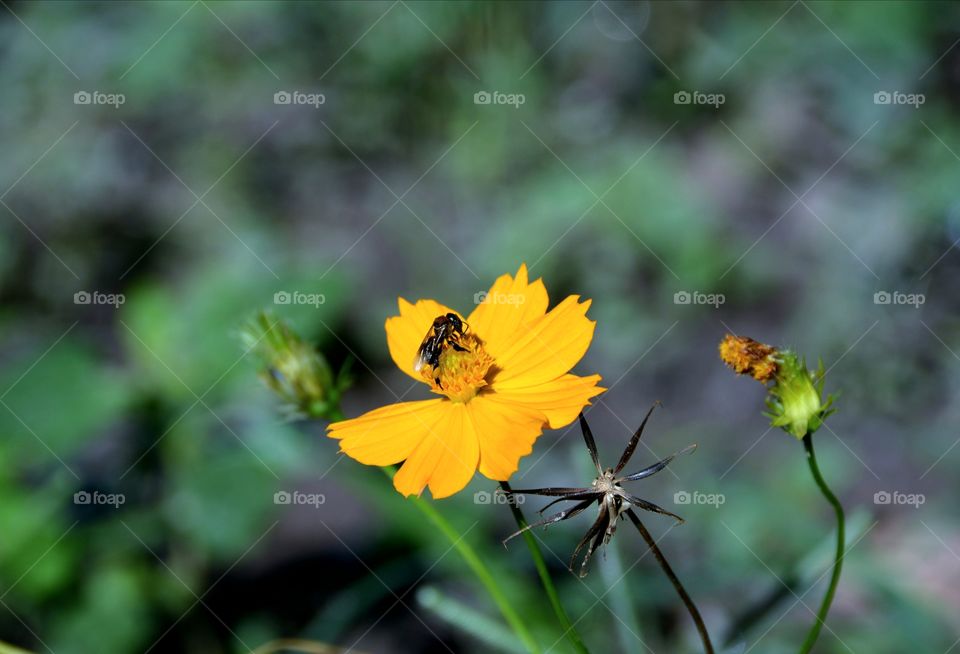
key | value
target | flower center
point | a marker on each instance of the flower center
(460, 373)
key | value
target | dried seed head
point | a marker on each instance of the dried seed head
(747, 356)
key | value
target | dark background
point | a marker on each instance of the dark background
(798, 198)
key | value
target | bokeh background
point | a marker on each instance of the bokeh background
(798, 194)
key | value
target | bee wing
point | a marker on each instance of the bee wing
(424, 351)
(421, 359)
(418, 364)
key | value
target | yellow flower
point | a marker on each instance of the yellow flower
(507, 379)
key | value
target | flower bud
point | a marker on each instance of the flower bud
(293, 369)
(795, 399)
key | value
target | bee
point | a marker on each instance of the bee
(445, 330)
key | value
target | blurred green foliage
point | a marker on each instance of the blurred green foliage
(599, 181)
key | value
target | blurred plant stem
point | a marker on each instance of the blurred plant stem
(569, 631)
(491, 633)
(296, 645)
(475, 564)
(681, 591)
(10, 649)
(838, 554)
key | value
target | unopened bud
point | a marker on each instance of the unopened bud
(294, 369)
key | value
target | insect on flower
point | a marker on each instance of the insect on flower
(445, 331)
(606, 490)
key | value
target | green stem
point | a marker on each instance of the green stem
(476, 565)
(681, 591)
(538, 561)
(838, 556)
(10, 649)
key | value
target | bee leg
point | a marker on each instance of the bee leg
(457, 347)
(437, 380)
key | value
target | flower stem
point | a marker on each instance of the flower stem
(568, 628)
(10, 649)
(681, 591)
(838, 556)
(476, 565)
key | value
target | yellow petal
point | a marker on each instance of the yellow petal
(445, 460)
(509, 304)
(406, 332)
(389, 434)
(547, 348)
(560, 400)
(506, 431)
